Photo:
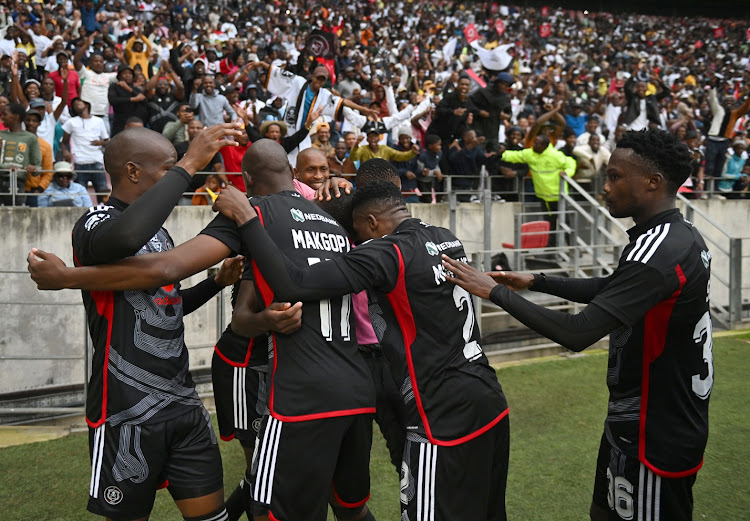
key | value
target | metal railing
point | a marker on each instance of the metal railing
(726, 266)
(17, 405)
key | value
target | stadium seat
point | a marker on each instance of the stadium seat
(534, 234)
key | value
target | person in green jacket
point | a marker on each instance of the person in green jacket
(19, 150)
(546, 165)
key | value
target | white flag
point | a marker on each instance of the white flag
(449, 49)
(497, 59)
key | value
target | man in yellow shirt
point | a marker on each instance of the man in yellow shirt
(545, 165)
(137, 51)
(373, 129)
(37, 184)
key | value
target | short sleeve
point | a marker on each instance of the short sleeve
(68, 126)
(280, 81)
(225, 230)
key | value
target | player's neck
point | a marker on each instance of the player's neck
(662, 205)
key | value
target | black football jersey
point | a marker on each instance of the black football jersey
(140, 363)
(432, 341)
(317, 371)
(660, 371)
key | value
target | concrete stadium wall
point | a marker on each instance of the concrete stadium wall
(42, 338)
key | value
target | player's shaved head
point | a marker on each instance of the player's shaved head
(266, 164)
(137, 145)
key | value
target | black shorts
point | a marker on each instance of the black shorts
(466, 481)
(130, 462)
(241, 399)
(389, 408)
(627, 489)
(297, 466)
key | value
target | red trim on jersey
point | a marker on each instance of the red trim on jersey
(105, 306)
(237, 364)
(344, 503)
(402, 309)
(165, 484)
(655, 327)
(272, 517)
(227, 438)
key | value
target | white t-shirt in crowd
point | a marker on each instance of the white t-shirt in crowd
(95, 89)
(82, 133)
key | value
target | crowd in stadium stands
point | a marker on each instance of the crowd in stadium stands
(441, 88)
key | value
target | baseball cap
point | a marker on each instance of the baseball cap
(505, 77)
(37, 103)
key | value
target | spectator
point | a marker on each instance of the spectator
(210, 105)
(735, 161)
(466, 158)
(592, 128)
(493, 106)
(20, 151)
(741, 187)
(96, 82)
(322, 139)
(642, 108)
(138, 51)
(176, 131)
(407, 170)
(202, 197)
(429, 175)
(453, 115)
(546, 165)
(62, 191)
(339, 163)
(592, 159)
(164, 99)
(36, 184)
(83, 142)
(373, 131)
(215, 165)
(74, 82)
(724, 118)
(126, 99)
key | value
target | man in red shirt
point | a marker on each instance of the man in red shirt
(233, 161)
(74, 82)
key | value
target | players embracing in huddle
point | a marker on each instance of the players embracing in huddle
(291, 358)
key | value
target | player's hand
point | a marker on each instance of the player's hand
(46, 269)
(282, 317)
(230, 271)
(469, 278)
(513, 280)
(234, 204)
(333, 186)
(207, 143)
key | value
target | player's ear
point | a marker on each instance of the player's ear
(656, 181)
(132, 172)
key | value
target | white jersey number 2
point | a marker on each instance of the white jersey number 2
(461, 298)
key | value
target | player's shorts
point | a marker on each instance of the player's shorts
(297, 466)
(465, 481)
(129, 462)
(627, 489)
(389, 408)
(240, 396)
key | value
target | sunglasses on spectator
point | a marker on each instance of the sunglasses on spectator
(64, 176)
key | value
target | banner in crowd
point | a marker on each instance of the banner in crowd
(499, 26)
(545, 30)
(321, 46)
(471, 33)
